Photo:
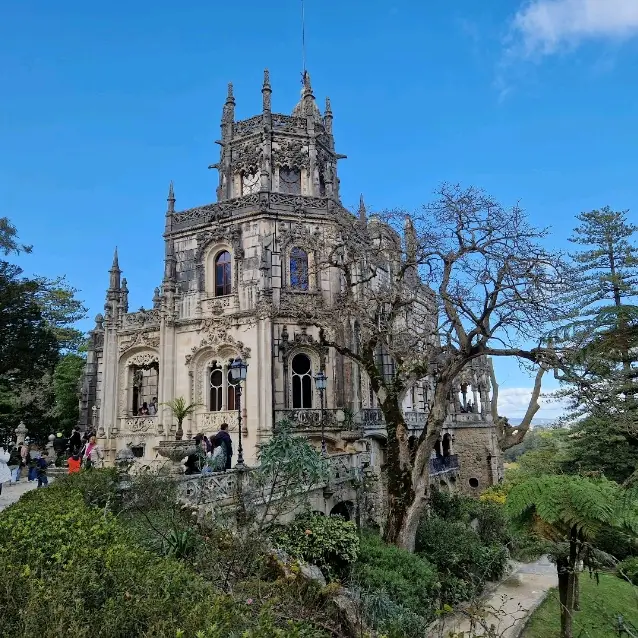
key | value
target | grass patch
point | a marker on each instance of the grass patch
(600, 607)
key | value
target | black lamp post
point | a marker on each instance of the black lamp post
(320, 383)
(238, 371)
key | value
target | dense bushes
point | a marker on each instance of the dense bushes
(73, 569)
(464, 539)
(628, 570)
(329, 542)
(388, 569)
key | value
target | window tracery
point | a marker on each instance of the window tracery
(249, 183)
(290, 181)
(301, 381)
(223, 274)
(222, 389)
(299, 279)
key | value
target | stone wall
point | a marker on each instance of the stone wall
(477, 458)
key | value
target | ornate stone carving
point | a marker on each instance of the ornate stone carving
(288, 123)
(141, 424)
(142, 318)
(248, 127)
(291, 153)
(208, 422)
(142, 359)
(146, 339)
(247, 157)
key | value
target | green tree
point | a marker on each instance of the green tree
(570, 512)
(66, 380)
(605, 444)
(604, 330)
(28, 346)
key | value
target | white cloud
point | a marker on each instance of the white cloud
(543, 27)
(513, 402)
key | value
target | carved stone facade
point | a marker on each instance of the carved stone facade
(225, 262)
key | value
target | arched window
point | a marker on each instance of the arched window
(301, 381)
(298, 269)
(223, 272)
(216, 387)
(290, 181)
(144, 383)
(447, 440)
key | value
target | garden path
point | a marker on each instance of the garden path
(511, 603)
(12, 493)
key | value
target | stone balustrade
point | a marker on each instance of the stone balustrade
(210, 422)
(221, 488)
(310, 419)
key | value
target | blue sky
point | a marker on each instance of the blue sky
(103, 104)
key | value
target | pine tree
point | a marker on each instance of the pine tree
(604, 331)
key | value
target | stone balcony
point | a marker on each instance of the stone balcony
(309, 419)
(138, 425)
(444, 465)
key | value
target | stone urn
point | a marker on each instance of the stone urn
(176, 452)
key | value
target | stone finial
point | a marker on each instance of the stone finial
(328, 111)
(157, 300)
(228, 115)
(307, 105)
(21, 433)
(362, 210)
(327, 117)
(124, 295)
(171, 197)
(266, 92)
(115, 272)
(410, 239)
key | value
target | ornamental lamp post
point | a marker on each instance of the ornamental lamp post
(321, 381)
(238, 371)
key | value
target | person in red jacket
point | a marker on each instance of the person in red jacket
(74, 463)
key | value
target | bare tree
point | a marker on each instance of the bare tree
(422, 295)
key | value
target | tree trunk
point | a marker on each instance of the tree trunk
(180, 431)
(564, 597)
(410, 477)
(400, 492)
(576, 591)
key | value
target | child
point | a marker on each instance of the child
(42, 471)
(74, 463)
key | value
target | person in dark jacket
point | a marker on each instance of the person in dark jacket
(224, 438)
(41, 469)
(75, 442)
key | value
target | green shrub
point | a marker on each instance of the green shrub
(615, 542)
(459, 555)
(391, 619)
(329, 542)
(407, 580)
(73, 570)
(628, 570)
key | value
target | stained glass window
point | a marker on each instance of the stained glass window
(298, 269)
(223, 272)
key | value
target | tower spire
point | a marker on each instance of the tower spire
(362, 210)
(303, 38)
(115, 272)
